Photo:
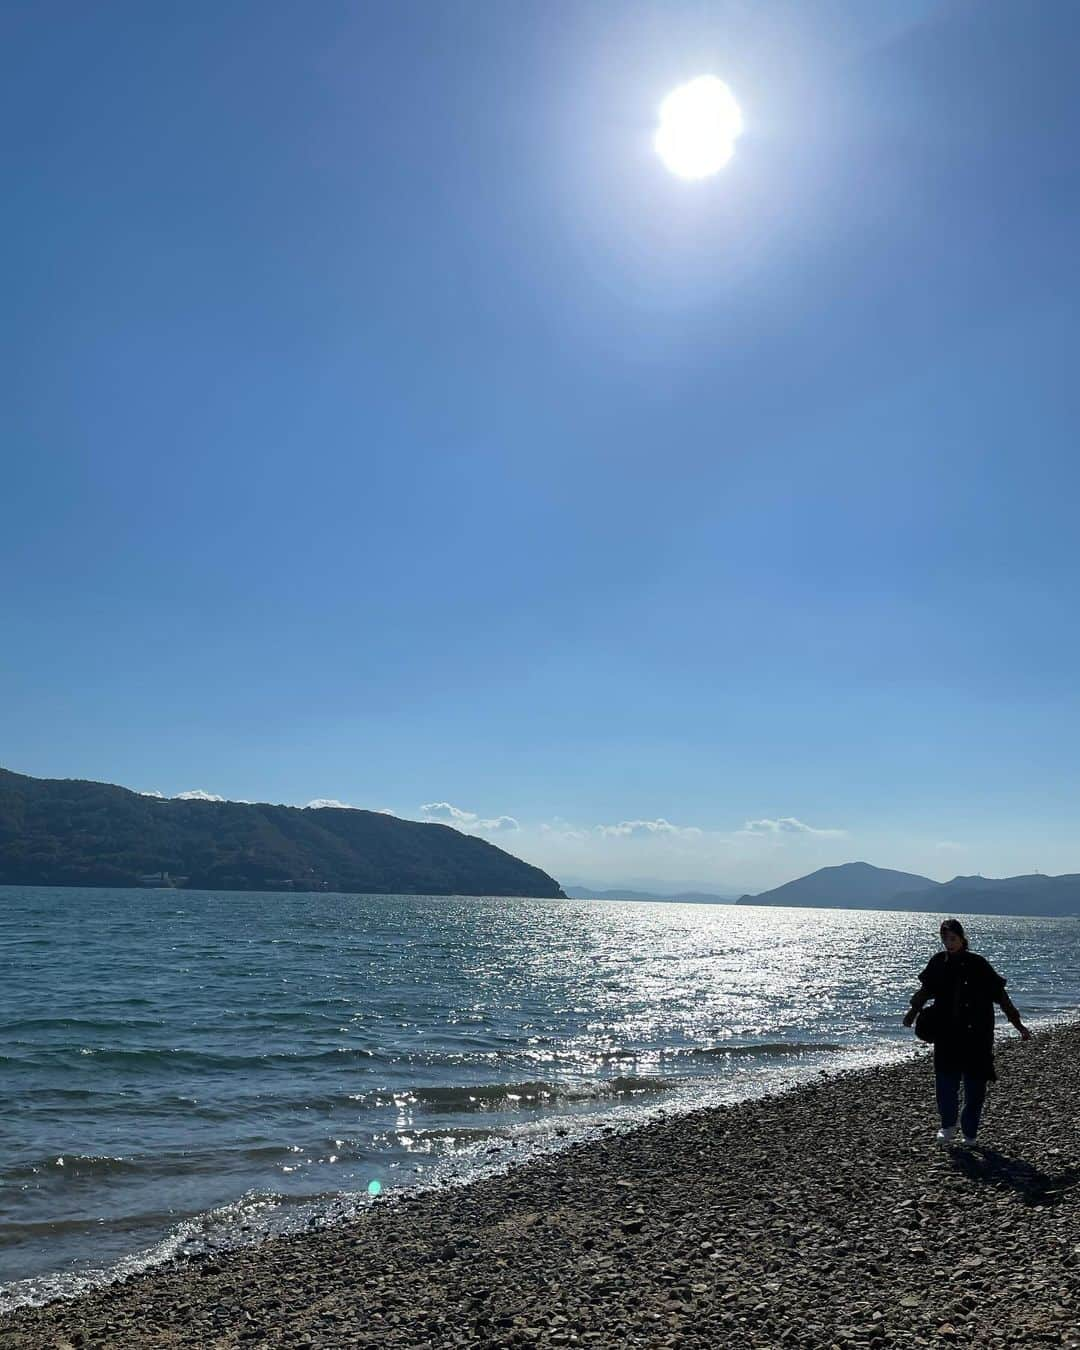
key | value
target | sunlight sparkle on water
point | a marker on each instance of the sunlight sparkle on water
(699, 125)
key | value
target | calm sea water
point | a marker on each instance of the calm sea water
(187, 1069)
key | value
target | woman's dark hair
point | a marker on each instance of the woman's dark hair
(954, 926)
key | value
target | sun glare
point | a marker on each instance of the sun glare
(699, 124)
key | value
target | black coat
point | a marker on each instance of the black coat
(964, 987)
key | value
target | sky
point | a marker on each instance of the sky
(383, 423)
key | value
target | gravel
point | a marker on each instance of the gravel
(825, 1216)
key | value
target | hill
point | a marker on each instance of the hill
(860, 886)
(67, 832)
(682, 897)
(1046, 897)
(855, 885)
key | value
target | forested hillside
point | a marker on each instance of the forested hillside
(68, 832)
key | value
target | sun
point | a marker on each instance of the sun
(699, 124)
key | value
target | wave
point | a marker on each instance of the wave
(72, 1167)
(504, 1096)
(13, 1233)
(81, 1023)
(766, 1048)
(171, 1058)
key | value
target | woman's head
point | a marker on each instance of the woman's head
(952, 935)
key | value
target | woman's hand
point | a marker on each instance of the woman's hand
(908, 1018)
(1025, 1035)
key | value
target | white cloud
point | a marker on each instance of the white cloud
(497, 825)
(562, 829)
(320, 802)
(197, 795)
(950, 846)
(722, 857)
(151, 793)
(448, 815)
(647, 829)
(468, 821)
(786, 825)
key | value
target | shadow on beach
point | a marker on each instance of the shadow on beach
(995, 1169)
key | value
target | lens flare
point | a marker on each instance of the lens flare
(699, 125)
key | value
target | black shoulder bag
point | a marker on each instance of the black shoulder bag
(928, 1022)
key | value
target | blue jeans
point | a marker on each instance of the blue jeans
(948, 1100)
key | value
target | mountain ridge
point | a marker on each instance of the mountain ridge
(628, 893)
(860, 885)
(1035, 894)
(76, 832)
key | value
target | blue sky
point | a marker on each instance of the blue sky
(384, 423)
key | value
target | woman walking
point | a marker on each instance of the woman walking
(964, 987)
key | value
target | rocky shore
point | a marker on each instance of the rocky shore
(825, 1216)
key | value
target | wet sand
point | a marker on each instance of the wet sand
(823, 1216)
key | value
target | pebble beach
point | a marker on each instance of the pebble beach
(823, 1216)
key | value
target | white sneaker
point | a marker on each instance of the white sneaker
(946, 1134)
(969, 1139)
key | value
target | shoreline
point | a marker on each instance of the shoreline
(501, 1150)
(821, 1215)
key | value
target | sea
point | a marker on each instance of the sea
(184, 1071)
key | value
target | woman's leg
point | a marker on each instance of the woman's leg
(974, 1096)
(948, 1096)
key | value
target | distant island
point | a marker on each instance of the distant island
(859, 885)
(680, 898)
(69, 832)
